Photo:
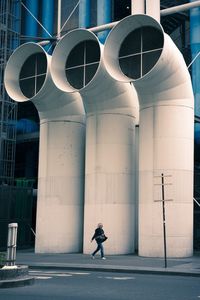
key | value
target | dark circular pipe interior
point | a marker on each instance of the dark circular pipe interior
(82, 63)
(33, 74)
(140, 51)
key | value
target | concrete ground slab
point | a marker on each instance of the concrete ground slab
(114, 263)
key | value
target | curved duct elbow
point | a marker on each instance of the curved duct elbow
(28, 77)
(77, 65)
(112, 112)
(137, 50)
(61, 150)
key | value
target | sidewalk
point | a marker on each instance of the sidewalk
(114, 263)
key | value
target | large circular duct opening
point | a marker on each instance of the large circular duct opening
(140, 51)
(33, 74)
(82, 63)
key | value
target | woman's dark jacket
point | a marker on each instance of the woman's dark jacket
(99, 233)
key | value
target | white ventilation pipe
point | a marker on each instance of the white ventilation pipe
(153, 9)
(137, 7)
(112, 112)
(138, 50)
(61, 151)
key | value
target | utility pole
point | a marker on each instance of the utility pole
(163, 200)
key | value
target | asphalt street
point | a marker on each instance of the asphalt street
(54, 284)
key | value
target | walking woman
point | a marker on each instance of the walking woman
(99, 237)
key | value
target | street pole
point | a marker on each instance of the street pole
(164, 224)
(163, 211)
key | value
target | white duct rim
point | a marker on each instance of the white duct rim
(13, 68)
(61, 53)
(51, 102)
(167, 79)
(102, 93)
(117, 36)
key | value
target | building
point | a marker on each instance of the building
(22, 169)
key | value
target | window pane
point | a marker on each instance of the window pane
(76, 56)
(90, 71)
(27, 87)
(39, 82)
(131, 66)
(35, 64)
(152, 38)
(92, 51)
(131, 44)
(28, 68)
(41, 63)
(149, 60)
(75, 77)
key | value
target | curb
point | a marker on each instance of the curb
(19, 271)
(115, 269)
(17, 282)
(15, 277)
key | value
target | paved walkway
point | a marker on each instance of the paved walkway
(114, 263)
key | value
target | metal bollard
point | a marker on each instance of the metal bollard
(11, 244)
